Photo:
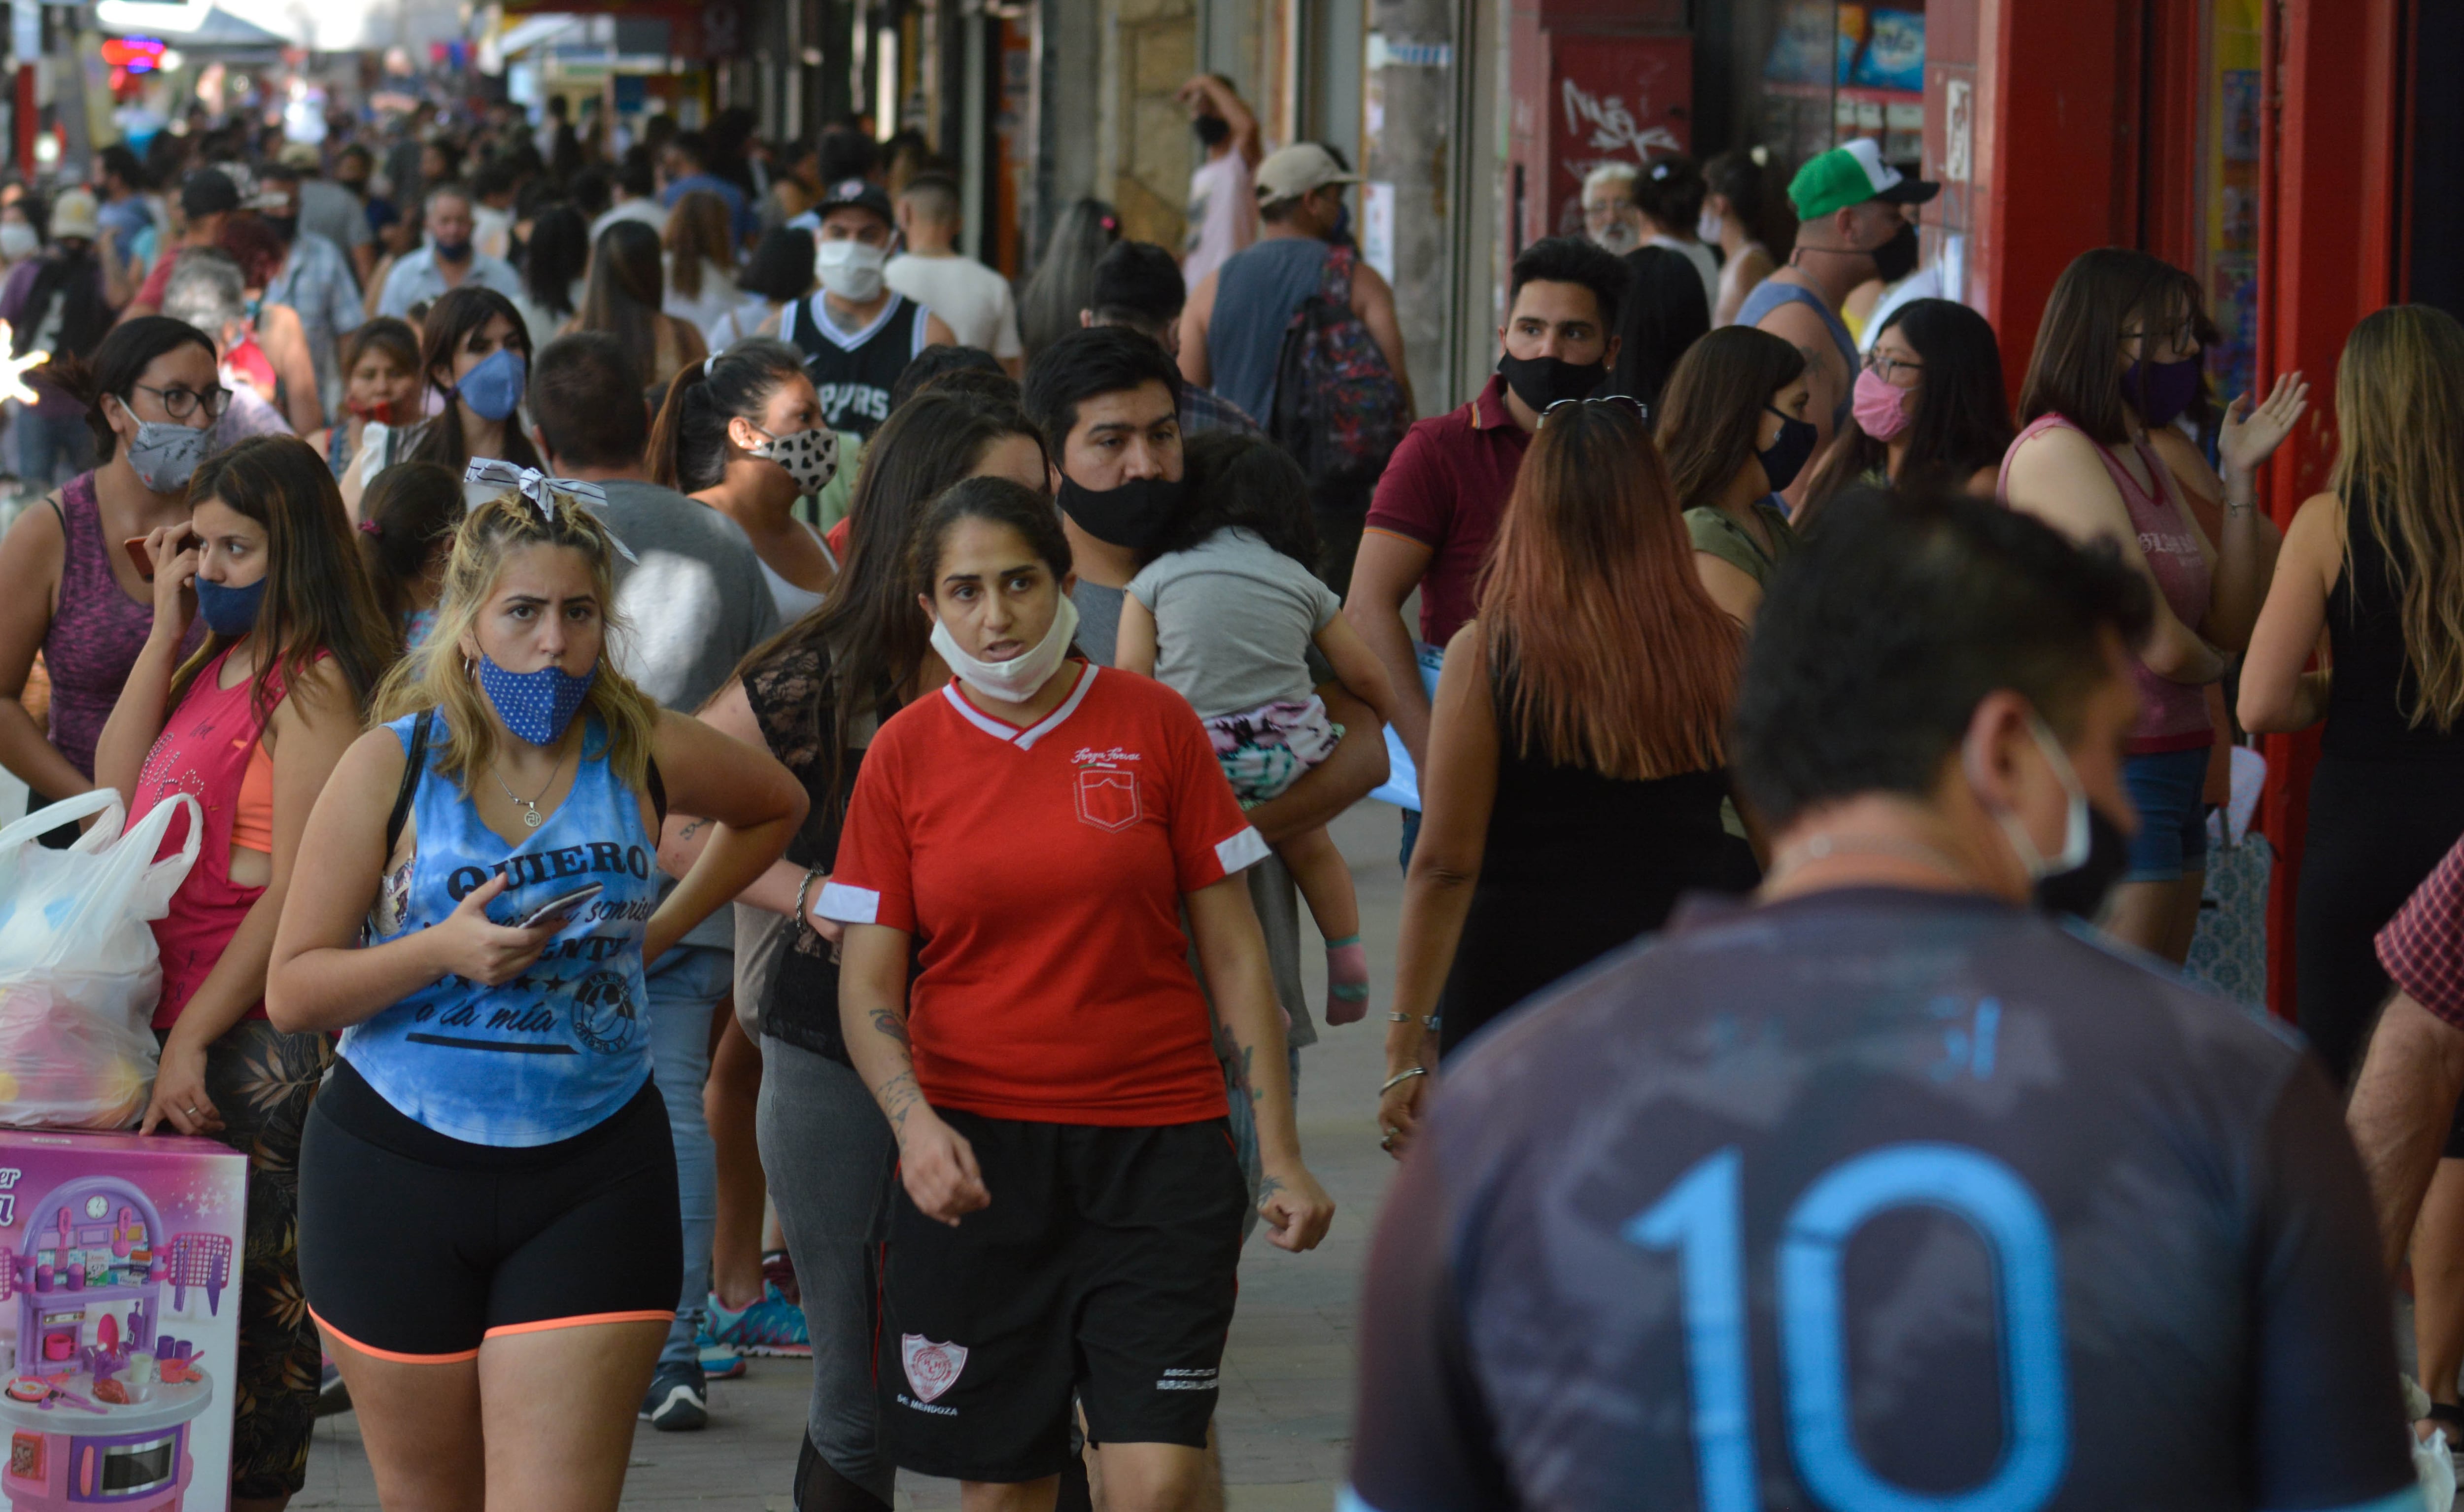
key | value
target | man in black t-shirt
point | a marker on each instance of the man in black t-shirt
(1891, 1190)
(857, 334)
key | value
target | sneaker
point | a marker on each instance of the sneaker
(778, 1269)
(771, 1325)
(719, 1362)
(678, 1401)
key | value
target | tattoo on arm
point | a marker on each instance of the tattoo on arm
(891, 1024)
(898, 1097)
(693, 827)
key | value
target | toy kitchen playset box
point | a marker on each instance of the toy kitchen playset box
(118, 1319)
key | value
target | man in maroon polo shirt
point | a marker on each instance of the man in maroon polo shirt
(1442, 495)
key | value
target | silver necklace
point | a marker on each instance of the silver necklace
(531, 818)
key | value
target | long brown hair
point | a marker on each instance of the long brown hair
(318, 598)
(435, 676)
(1591, 607)
(869, 627)
(624, 294)
(2400, 466)
(698, 232)
(409, 511)
(1711, 412)
(2104, 297)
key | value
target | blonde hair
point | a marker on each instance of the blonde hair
(436, 676)
(2400, 416)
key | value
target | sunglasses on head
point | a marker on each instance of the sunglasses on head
(1627, 402)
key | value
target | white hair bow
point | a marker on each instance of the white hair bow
(486, 477)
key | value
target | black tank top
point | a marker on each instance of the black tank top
(855, 374)
(2370, 699)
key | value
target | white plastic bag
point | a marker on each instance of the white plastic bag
(80, 976)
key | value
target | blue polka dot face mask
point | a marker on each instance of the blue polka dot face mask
(535, 706)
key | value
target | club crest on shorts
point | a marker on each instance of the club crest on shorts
(1107, 798)
(932, 1369)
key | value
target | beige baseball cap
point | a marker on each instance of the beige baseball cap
(74, 215)
(1297, 169)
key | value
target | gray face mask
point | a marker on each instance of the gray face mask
(163, 455)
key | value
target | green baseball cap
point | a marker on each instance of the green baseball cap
(1852, 175)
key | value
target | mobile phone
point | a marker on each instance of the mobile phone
(553, 906)
(139, 558)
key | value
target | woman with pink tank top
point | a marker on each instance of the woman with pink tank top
(2114, 358)
(73, 594)
(251, 725)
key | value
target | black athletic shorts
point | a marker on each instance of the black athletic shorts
(415, 1246)
(1108, 1264)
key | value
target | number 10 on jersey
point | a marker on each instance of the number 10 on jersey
(1701, 1219)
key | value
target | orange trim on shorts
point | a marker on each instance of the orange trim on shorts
(395, 1355)
(585, 1320)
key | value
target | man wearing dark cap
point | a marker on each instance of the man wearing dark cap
(208, 198)
(857, 334)
(1854, 223)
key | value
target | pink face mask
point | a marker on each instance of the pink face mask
(1880, 407)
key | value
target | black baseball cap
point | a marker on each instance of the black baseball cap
(862, 193)
(208, 191)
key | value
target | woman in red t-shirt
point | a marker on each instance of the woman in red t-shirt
(1071, 1205)
(250, 726)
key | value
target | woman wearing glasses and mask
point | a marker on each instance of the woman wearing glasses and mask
(1929, 407)
(1576, 769)
(75, 596)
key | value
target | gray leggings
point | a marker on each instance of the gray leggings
(827, 1152)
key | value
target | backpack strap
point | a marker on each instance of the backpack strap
(1335, 282)
(658, 793)
(411, 768)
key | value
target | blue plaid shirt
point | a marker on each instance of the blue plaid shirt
(1204, 410)
(316, 281)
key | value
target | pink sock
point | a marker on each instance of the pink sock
(1347, 981)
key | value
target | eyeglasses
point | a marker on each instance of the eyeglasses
(181, 403)
(1627, 402)
(1889, 368)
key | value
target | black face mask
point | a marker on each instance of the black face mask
(1213, 131)
(1897, 258)
(1128, 517)
(1542, 381)
(1786, 456)
(2080, 890)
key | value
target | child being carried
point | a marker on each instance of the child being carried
(1225, 611)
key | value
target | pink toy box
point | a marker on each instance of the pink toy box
(118, 1319)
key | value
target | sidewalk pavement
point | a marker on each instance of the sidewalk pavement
(1286, 1414)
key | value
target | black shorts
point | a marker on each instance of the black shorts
(415, 1246)
(1107, 1262)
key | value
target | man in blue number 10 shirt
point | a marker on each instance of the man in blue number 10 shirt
(1891, 1191)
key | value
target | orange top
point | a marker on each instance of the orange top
(253, 819)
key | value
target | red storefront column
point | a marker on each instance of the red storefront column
(2328, 204)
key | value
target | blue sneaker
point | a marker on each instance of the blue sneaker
(770, 1325)
(719, 1362)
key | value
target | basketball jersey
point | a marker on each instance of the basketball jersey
(1879, 1198)
(854, 374)
(551, 1053)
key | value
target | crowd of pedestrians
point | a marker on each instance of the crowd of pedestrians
(760, 786)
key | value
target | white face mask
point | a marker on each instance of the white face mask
(18, 241)
(1707, 225)
(850, 269)
(1017, 679)
(2076, 833)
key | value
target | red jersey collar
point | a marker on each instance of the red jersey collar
(1008, 734)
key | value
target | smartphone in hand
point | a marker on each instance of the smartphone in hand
(139, 558)
(567, 904)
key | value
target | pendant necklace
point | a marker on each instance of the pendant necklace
(531, 817)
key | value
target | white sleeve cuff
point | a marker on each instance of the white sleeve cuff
(1242, 851)
(847, 904)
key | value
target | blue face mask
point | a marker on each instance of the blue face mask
(493, 389)
(229, 611)
(535, 706)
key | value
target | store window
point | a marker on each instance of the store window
(1842, 69)
(2230, 245)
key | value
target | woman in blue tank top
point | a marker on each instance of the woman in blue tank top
(489, 1227)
